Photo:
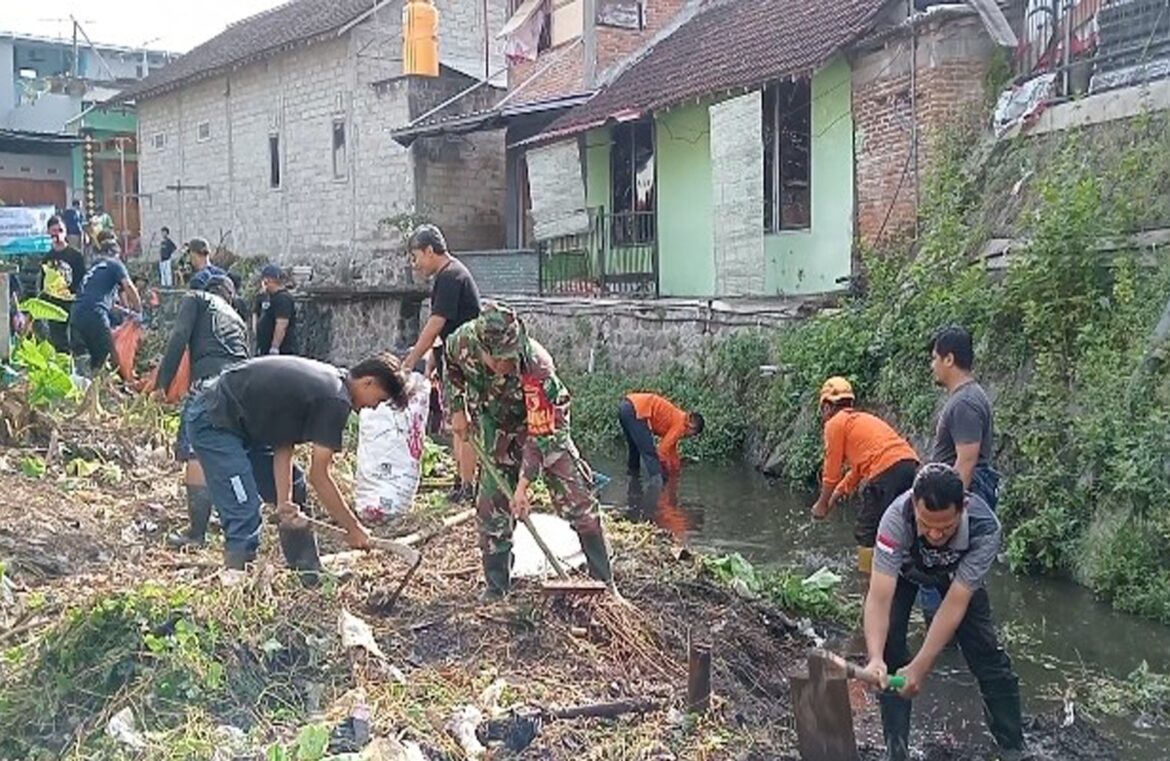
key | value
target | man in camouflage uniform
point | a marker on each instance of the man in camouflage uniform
(507, 385)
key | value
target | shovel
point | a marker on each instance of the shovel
(563, 584)
(820, 701)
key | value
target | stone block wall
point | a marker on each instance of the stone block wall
(317, 216)
(638, 337)
(953, 54)
(344, 329)
(737, 185)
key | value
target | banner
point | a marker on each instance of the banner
(24, 229)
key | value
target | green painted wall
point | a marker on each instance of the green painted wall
(810, 261)
(686, 262)
(796, 262)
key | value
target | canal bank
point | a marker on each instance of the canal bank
(1067, 646)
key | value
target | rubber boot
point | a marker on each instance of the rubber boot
(299, 547)
(497, 571)
(597, 556)
(237, 560)
(198, 516)
(896, 727)
(1001, 709)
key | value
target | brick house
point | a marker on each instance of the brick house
(273, 139)
(720, 156)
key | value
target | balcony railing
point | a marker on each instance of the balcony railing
(617, 255)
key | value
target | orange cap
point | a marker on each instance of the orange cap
(836, 389)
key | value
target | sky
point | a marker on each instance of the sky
(173, 25)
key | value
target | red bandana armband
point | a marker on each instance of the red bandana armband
(540, 411)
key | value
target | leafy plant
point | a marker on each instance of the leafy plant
(33, 466)
(816, 596)
(49, 371)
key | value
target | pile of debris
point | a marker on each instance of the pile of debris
(115, 647)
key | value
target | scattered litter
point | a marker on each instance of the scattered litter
(462, 726)
(357, 633)
(516, 731)
(822, 579)
(121, 728)
(230, 743)
(391, 749)
(489, 699)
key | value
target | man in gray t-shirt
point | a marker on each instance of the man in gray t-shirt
(937, 536)
(966, 429)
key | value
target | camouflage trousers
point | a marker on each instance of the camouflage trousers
(566, 474)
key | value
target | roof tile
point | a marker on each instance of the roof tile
(728, 44)
(294, 22)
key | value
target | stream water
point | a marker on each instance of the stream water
(1054, 630)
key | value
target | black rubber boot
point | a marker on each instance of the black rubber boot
(237, 560)
(300, 553)
(497, 571)
(597, 556)
(896, 727)
(1001, 709)
(198, 516)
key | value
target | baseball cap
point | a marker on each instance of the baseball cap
(198, 246)
(499, 329)
(271, 271)
(836, 389)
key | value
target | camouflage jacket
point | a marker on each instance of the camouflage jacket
(533, 405)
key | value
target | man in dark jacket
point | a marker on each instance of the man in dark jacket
(215, 335)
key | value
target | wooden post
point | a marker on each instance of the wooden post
(699, 678)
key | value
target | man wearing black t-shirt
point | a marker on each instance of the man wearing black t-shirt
(244, 426)
(274, 318)
(67, 262)
(454, 301)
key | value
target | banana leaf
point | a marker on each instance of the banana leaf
(39, 309)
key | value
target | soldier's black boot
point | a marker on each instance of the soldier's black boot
(299, 546)
(497, 571)
(198, 516)
(896, 727)
(596, 553)
(237, 560)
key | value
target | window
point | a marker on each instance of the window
(632, 176)
(159, 140)
(203, 132)
(340, 170)
(274, 161)
(787, 157)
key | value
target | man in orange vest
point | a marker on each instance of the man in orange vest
(644, 416)
(876, 457)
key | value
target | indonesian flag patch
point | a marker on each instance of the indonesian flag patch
(886, 544)
(541, 415)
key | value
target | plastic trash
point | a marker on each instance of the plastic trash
(529, 562)
(462, 726)
(389, 454)
(357, 633)
(121, 728)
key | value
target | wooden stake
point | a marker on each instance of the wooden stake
(699, 678)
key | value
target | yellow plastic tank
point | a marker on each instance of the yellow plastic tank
(420, 38)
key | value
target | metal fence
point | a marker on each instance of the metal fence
(616, 255)
(1111, 42)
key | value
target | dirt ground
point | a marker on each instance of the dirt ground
(72, 539)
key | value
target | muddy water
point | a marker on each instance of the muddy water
(1054, 630)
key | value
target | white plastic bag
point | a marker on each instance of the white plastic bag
(389, 454)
